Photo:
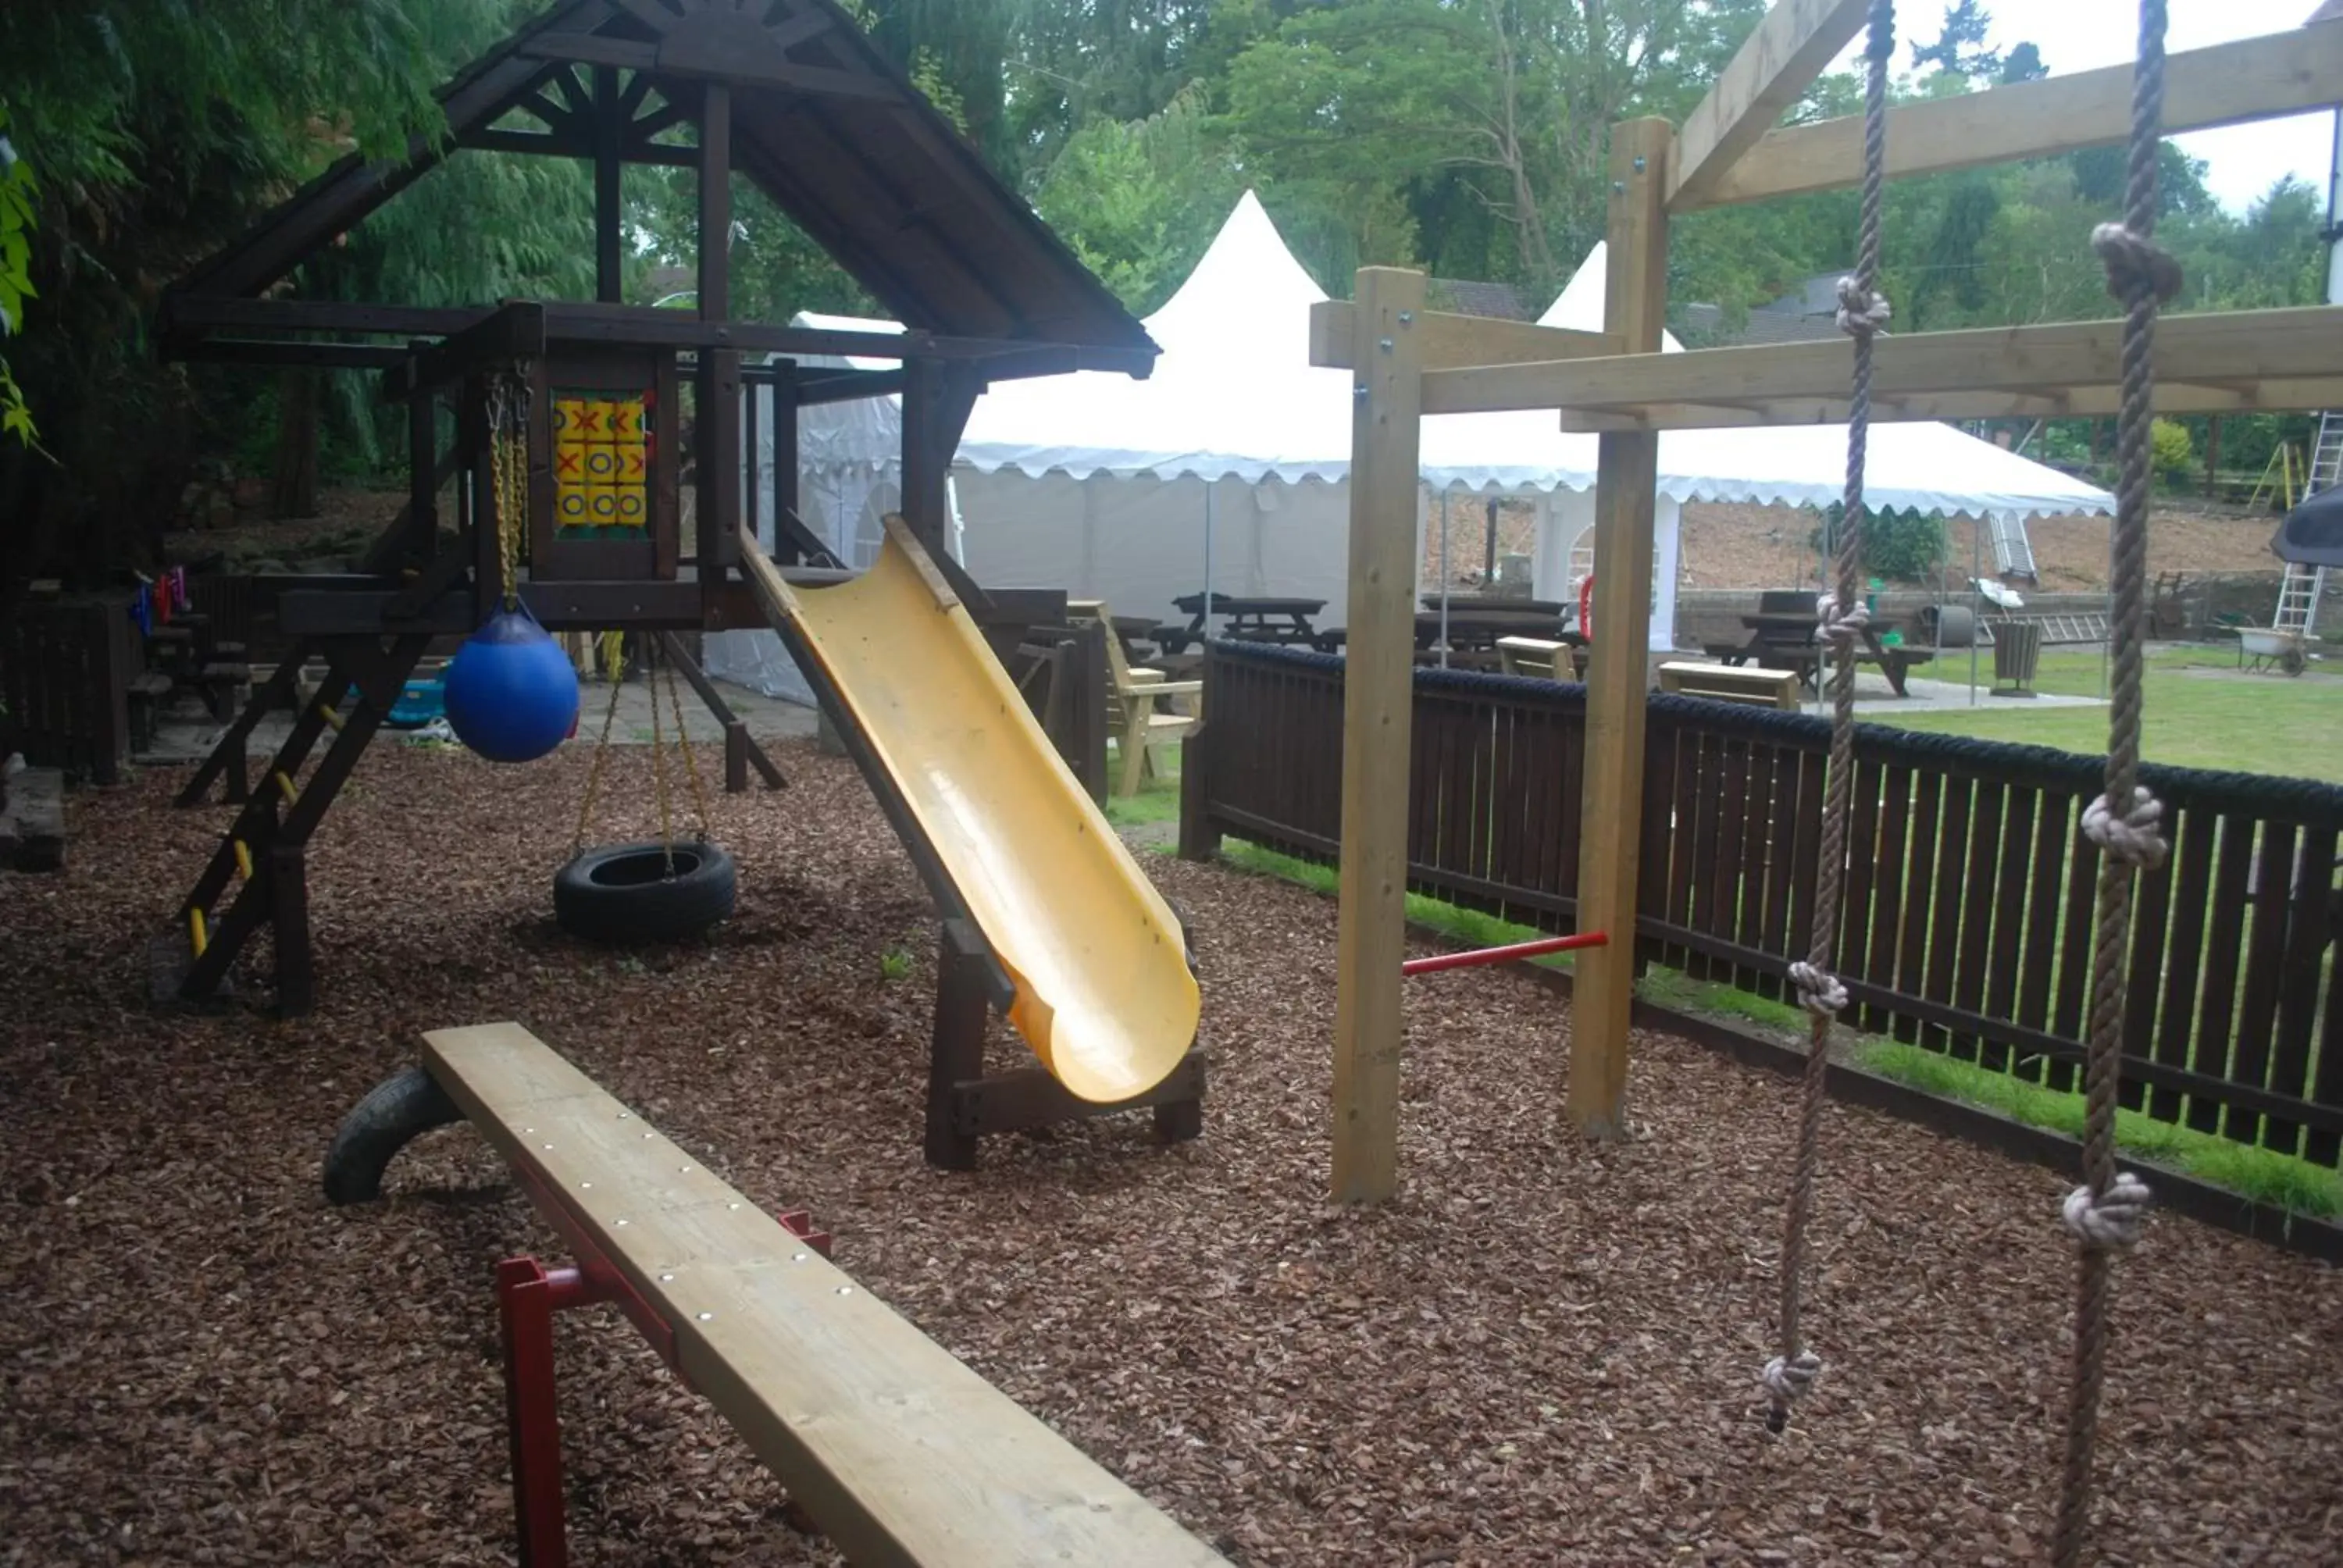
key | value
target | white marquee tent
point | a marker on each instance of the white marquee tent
(1236, 453)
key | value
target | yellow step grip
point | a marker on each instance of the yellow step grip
(284, 785)
(197, 933)
(243, 858)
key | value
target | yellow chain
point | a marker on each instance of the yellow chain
(508, 476)
(690, 761)
(594, 770)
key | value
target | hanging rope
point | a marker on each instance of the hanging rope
(659, 758)
(612, 671)
(1862, 313)
(2105, 1214)
(690, 761)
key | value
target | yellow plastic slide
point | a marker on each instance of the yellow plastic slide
(1103, 993)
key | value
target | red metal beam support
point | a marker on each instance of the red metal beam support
(528, 1295)
(1507, 954)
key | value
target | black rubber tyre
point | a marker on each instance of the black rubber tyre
(398, 1111)
(622, 893)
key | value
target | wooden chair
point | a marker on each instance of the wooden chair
(1136, 716)
(1750, 684)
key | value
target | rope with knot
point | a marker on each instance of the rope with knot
(1862, 313)
(2106, 1212)
(1835, 627)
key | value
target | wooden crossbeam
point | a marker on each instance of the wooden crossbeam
(2273, 396)
(1448, 339)
(1795, 43)
(513, 330)
(2239, 346)
(898, 1449)
(2224, 85)
(771, 74)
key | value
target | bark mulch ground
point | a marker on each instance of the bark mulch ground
(1543, 1352)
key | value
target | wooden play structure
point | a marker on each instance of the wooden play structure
(1408, 361)
(895, 1450)
(567, 431)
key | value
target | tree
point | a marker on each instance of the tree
(1959, 49)
(15, 279)
(1140, 200)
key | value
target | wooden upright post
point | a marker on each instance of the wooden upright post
(715, 202)
(610, 138)
(1378, 703)
(1603, 989)
(936, 405)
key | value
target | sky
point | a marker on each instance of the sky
(2083, 34)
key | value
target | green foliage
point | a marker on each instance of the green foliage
(16, 221)
(1140, 200)
(895, 964)
(1903, 546)
(2170, 451)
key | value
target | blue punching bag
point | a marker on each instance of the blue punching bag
(511, 694)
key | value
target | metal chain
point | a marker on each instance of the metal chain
(2104, 1213)
(690, 761)
(508, 410)
(1861, 313)
(594, 769)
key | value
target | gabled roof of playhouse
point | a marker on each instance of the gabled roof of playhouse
(821, 122)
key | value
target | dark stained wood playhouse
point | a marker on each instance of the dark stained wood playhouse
(789, 95)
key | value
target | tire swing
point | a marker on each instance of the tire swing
(657, 890)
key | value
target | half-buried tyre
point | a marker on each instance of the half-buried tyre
(631, 893)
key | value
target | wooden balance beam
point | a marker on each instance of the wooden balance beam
(898, 1452)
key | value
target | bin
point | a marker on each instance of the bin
(2017, 655)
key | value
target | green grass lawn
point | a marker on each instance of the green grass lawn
(2292, 727)
(1158, 799)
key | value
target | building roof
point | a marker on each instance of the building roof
(821, 121)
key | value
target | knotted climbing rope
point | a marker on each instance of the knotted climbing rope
(2126, 822)
(1862, 313)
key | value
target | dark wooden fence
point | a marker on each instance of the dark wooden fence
(65, 667)
(1969, 891)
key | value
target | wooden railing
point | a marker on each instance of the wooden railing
(1969, 902)
(66, 667)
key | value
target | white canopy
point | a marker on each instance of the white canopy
(1229, 467)
(1235, 395)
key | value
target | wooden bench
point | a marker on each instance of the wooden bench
(1750, 684)
(1538, 657)
(897, 1451)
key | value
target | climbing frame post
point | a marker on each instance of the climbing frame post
(1378, 701)
(1604, 983)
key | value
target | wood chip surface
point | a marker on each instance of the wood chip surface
(1543, 1352)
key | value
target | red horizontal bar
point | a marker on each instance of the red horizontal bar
(1506, 954)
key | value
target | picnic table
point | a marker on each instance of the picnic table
(1784, 639)
(1474, 633)
(1248, 619)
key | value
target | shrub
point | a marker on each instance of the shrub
(1904, 546)
(2170, 451)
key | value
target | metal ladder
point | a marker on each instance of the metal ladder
(2299, 593)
